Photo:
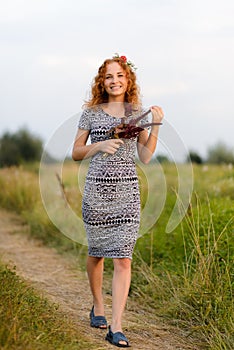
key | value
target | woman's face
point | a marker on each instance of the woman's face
(115, 82)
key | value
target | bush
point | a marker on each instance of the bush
(194, 158)
(220, 153)
(161, 158)
(19, 147)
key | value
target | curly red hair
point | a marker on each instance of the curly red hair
(98, 92)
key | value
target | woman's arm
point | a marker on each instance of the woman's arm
(82, 151)
(147, 143)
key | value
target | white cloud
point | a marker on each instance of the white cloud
(166, 89)
(51, 50)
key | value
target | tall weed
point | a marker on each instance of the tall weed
(199, 297)
(19, 189)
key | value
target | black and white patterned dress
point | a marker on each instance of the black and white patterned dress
(111, 198)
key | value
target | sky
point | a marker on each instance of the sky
(50, 51)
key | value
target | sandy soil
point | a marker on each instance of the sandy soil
(59, 280)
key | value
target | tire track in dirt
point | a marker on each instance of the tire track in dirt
(60, 281)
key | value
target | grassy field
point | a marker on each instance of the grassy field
(185, 276)
(29, 322)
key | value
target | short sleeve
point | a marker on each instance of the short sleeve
(145, 120)
(84, 122)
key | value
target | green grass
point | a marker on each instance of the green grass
(185, 276)
(29, 322)
(196, 294)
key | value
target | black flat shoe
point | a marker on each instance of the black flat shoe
(97, 321)
(116, 338)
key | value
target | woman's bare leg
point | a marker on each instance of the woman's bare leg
(120, 289)
(95, 273)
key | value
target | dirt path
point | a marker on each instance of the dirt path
(57, 279)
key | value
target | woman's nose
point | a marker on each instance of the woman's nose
(114, 78)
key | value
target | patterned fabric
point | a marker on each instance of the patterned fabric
(111, 199)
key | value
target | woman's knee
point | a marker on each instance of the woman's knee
(123, 264)
(95, 260)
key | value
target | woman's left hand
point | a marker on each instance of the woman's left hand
(157, 114)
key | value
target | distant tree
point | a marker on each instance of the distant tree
(161, 158)
(220, 153)
(194, 157)
(9, 150)
(19, 147)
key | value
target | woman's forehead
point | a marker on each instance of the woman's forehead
(113, 67)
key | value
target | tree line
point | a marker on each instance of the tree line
(220, 153)
(23, 146)
(19, 147)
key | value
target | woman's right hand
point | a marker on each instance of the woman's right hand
(110, 146)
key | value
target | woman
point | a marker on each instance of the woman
(111, 200)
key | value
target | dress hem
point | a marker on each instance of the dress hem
(110, 257)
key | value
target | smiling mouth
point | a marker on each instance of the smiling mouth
(116, 87)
